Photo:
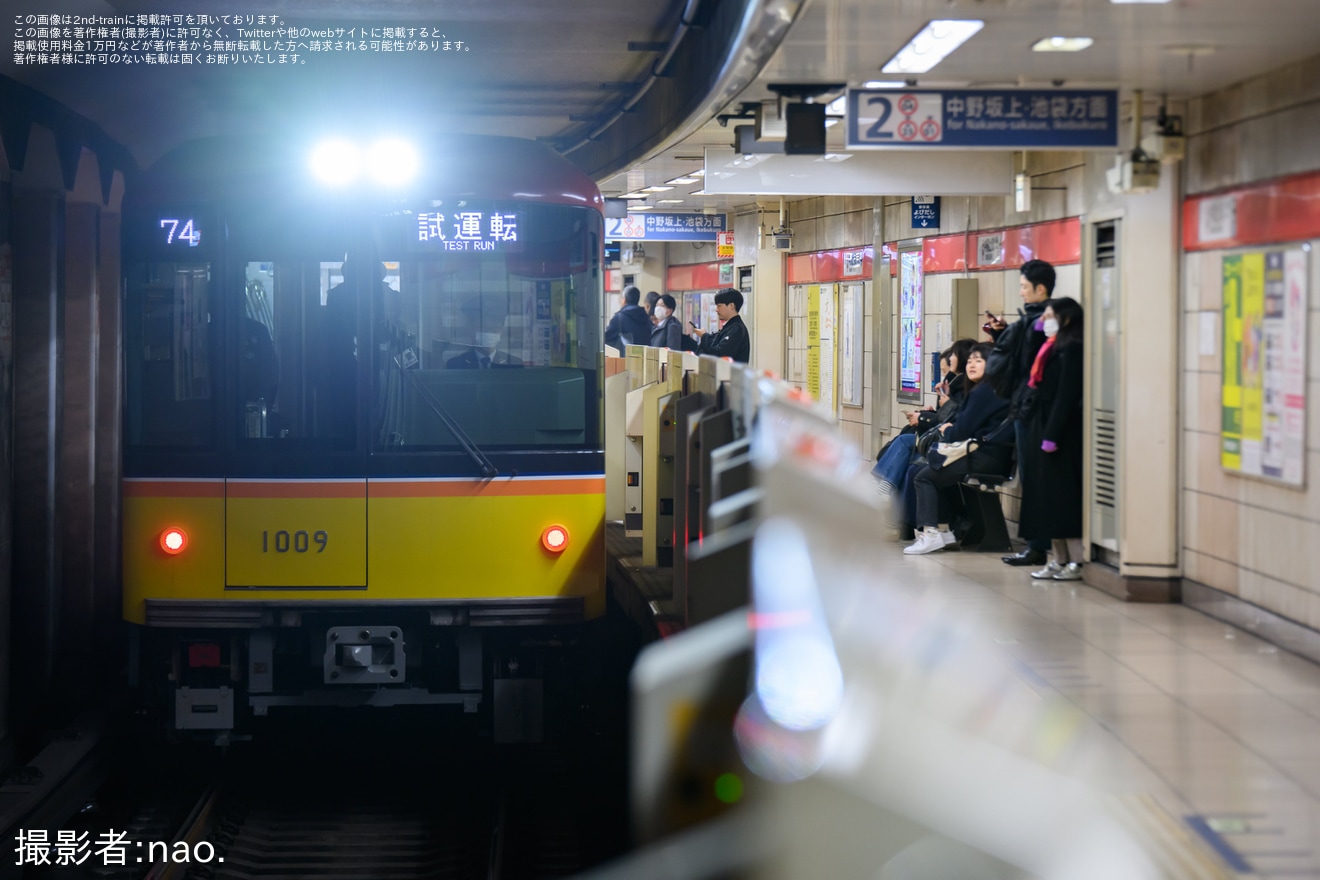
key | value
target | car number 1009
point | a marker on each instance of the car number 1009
(298, 542)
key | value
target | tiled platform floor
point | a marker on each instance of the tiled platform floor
(1209, 720)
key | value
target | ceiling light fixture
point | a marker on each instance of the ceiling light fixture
(1063, 44)
(936, 42)
(884, 84)
(682, 180)
(639, 207)
(700, 172)
(657, 189)
(634, 195)
(669, 201)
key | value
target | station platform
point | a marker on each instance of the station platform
(1207, 732)
(1220, 728)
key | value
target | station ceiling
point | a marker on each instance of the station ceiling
(1181, 49)
(559, 69)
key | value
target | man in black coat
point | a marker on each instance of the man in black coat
(631, 325)
(732, 340)
(1015, 350)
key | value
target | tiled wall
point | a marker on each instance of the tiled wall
(827, 223)
(1252, 539)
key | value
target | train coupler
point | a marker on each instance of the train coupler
(364, 655)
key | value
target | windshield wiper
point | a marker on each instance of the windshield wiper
(484, 464)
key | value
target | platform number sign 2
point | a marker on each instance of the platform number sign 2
(900, 118)
(181, 230)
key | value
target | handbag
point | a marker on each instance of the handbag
(948, 453)
(927, 441)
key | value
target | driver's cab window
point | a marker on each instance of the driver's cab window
(300, 347)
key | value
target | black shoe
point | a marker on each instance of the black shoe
(1026, 557)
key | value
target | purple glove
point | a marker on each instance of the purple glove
(1039, 325)
(1049, 446)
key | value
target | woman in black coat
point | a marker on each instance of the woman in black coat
(982, 417)
(1052, 470)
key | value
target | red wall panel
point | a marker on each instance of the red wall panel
(822, 267)
(1267, 213)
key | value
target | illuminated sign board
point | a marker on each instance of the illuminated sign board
(177, 231)
(467, 230)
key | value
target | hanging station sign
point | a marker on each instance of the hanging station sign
(665, 227)
(1007, 119)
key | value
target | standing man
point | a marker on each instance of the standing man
(732, 340)
(1009, 371)
(631, 325)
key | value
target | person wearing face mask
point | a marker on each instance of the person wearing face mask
(486, 354)
(1052, 465)
(668, 332)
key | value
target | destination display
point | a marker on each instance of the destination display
(468, 229)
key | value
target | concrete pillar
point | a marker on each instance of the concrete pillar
(6, 458)
(77, 520)
(108, 469)
(38, 236)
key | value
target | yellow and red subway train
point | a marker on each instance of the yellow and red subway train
(363, 426)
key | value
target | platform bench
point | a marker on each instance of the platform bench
(986, 532)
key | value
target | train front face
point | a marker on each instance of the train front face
(363, 433)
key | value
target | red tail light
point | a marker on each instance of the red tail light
(173, 541)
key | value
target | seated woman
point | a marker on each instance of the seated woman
(983, 417)
(898, 455)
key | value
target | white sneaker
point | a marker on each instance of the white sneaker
(950, 539)
(928, 541)
(1072, 573)
(1049, 572)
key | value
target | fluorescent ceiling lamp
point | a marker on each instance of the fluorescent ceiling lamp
(829, 122)
(634, 195)
(657, 189)
(1120, 2)
(884, 84)
(936, 42)
(1063, 44)
(682, 180)
(639, 207)
(700, 172)
(669, 201)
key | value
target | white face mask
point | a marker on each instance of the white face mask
(488, 340)
(1051, 327)
(661, 312)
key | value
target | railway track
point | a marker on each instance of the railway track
(469, 812)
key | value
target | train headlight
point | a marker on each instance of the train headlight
(336, 163)
(555, 538)
(173, 541)
(392, 162)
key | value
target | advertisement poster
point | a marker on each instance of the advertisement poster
(827, 347)
(851, 319)
(1263, 384)
(813, 341)
(911, 305)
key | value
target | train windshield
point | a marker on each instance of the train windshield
(490, 319)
